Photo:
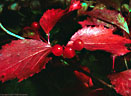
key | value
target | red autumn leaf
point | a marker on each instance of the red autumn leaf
(97, 92)
(122, 82)
(94, 21)
(86, 80)
(50, 18)
(100, 38)
(23, 58)
(75, 5)
(110, 16)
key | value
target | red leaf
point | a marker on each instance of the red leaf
(100, 38)
(94, 21)
(96, 92)
(86, 80)
(75, 5)
(110, 16)
(23, 58)
(122, 82)
(50, 18)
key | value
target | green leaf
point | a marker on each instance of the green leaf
(125, 8)
(14, 7)
(1, 7)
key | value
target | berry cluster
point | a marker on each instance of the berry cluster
(68, 51)
(58, 50)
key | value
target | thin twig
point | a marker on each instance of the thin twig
(99, 80)
(10, 33)
(126, 63)
(48, 38)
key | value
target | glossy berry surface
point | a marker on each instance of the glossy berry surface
(35, 25)
(57, 50)
(68, 52)
(78, 45)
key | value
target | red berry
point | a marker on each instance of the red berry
(35, 25)
(57, 50)
(68, 52)
(78, 45)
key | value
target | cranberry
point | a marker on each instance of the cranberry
(78, 45)
(57, 50)
(35, 25)
(68, 52)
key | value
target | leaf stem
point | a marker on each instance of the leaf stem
(43, 39)
(113, 66)
(77, 67)
(126, 63)
(10, 33)
(48, 38)
(99, 80)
